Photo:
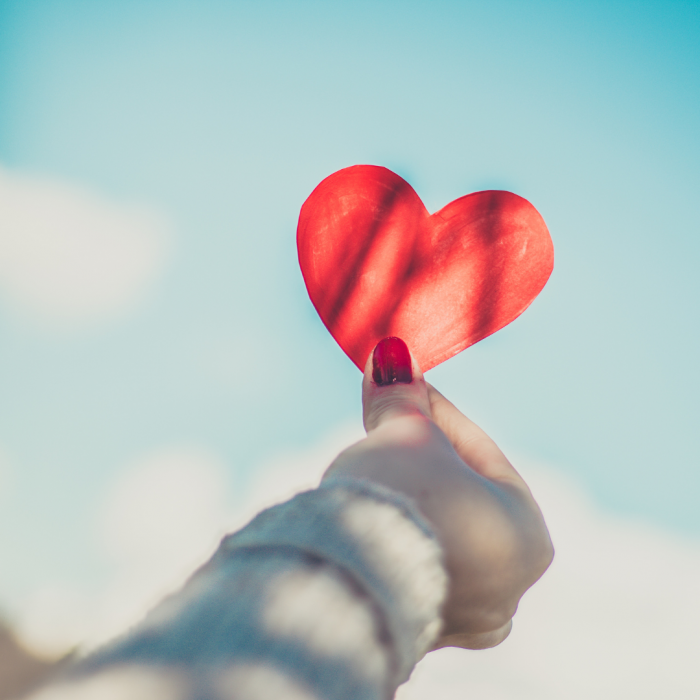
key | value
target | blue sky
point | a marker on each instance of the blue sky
(223, 116)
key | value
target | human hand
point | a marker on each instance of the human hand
(495, 541)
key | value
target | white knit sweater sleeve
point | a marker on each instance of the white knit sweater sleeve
(333, 595)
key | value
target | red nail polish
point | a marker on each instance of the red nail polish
(391, 363)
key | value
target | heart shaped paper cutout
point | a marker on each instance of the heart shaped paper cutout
(377, 264)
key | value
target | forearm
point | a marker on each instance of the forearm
(335, 594)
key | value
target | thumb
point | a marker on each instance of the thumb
(393, 385)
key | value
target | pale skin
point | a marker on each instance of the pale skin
(494, 537)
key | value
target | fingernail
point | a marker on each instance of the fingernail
(391, 363)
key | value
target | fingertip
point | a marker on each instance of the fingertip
(392, 362)
(392, 378)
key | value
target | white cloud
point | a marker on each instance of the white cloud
(69, 256)
(53, 618)
(284, 475)
(164, 504)
(163, 516)
(615, 617)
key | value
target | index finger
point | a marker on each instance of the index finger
(472, 444)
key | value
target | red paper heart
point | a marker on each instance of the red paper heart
(376, 263)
